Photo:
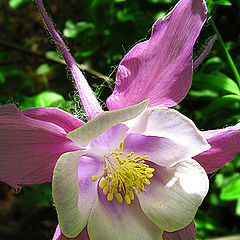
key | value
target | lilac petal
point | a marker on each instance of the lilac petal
(225, 147)
(114, 220)
(108, 141)
(187, 233)
(160, 69)
(174, 195)
(170, 124)
(74, 193)
(59, 236)
(29, 148)
(89, 101)
(57, 116)
(160, 150)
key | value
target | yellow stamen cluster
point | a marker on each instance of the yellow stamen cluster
(124, 175)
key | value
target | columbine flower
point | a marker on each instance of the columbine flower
(134, 176)
(129, 173)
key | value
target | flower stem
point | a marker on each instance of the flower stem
(229, 58)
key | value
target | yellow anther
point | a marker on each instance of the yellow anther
(146, 181)
(149, 170)
(103, 183)
(131, 195)
(129, 155)
(106, 168)
(94, 178)
(120, 146)
(105, 190)
(119, 197)
(127, 199)
(124, 175)
(149, 175)
(110, 196)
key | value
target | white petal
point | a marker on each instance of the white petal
(160, 150)
(92, 129)
(169, 123)
(120, 221)
(74, 193)
(174, 195)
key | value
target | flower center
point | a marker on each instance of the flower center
(125, 175)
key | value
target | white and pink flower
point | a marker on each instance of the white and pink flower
(138, 171)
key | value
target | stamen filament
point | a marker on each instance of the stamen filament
(124, 175)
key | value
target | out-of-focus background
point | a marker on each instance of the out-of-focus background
(99, 33)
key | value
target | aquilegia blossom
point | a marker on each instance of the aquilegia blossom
(133, 172)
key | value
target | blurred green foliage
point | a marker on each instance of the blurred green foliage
(99, 33)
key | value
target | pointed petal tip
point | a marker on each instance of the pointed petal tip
(92, 129)
(224, 148)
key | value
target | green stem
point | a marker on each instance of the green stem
(229, 58)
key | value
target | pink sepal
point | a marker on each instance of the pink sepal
(29, 148)
(160, 69)
(187, 233)
(59, 236)
(225, 145)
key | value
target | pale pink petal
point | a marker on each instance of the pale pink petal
(57, 116)
(74, 193)
(108, 141)
(225, 146)
(59, 236)
(160, 150)
(160, 69)
(170, 124)
(174, 195)
(187, 233)
(29, 148)
(118, 221)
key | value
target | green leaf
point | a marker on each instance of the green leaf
(232, 97)
(8, 71)
(203, 93)
(44, 99)
(203, 221)
(212, 3)
(221, 103)
(53, 54)
(237, 211)
(43, 69)
(40, 193)
(72, 29)
(216, 81)
(221, 180)
(231, 191)
(125, 15)
(163, 1)
(213, 64)
(16, 4)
